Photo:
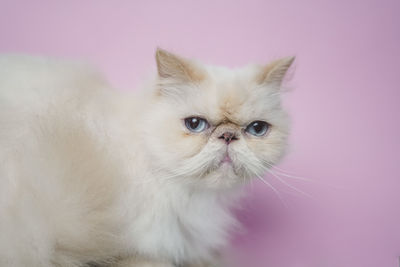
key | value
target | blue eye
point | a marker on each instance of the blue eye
(257, 128)
(196, 124)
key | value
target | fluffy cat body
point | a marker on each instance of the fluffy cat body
(92, 175)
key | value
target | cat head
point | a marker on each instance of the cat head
(213, 126)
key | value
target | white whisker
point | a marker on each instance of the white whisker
(275, 191)
(294, 177)
(279, 169)
(289, 185)
(286, 174)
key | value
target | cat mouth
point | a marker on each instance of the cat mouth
(226, 159)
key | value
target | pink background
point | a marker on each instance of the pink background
(344, 105)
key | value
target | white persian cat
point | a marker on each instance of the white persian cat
(90, 176)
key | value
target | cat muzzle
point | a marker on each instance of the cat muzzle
(228, 137)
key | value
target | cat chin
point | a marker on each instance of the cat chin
(224, 177)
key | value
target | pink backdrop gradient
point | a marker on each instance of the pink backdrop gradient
(345, 106)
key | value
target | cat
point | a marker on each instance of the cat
(92, 176)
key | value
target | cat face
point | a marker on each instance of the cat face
(216, 127)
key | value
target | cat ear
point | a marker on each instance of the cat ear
(171, 66)
(275, 72)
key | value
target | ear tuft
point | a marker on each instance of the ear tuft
(176, 67)
(275, 72)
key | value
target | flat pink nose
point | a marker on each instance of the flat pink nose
(228, 137)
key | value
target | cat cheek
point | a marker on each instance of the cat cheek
(270, 151)
(263, 149)
(188, 144)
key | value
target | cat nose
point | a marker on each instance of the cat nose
(228, 137)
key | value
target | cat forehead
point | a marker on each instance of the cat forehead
(226, 84)
(230, 95)
(220, 74)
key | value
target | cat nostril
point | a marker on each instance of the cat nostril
(228, 137)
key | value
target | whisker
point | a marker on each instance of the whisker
(275, 191)
(279, 169)
(286, 173)
(289, 185)
(289, 175)
(295, 177)
(302, 178)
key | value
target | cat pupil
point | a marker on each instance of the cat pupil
(258, 127)
(194, 123)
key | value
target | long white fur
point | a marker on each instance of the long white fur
(91, 174)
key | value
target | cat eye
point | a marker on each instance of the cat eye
(257, 128)
(196, 124)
